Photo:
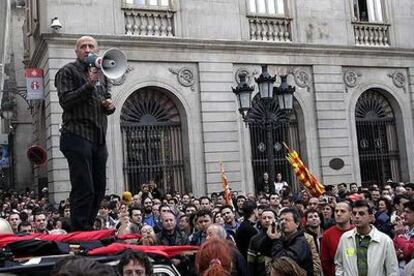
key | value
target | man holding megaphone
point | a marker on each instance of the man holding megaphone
(86, 103)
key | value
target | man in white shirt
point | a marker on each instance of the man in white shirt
(364, 250)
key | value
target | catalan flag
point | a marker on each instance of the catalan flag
(303, 174)
(226, 187)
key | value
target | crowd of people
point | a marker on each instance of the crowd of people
(351, 230)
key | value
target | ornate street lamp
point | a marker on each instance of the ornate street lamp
(267, 90)
(285, 95)
(244, 95)
(265, 82)
(7, 110)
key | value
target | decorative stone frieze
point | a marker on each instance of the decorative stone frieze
(351, 79)
(185, 76)
(398, 79)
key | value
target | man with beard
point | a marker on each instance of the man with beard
(330, 238)
(149, 217)
(257, 255)
(365, 250)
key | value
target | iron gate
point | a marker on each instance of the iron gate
(152, 141)
(269, 128)
(377, 139)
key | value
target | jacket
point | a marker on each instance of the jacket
(382, 260)
(243, 235)
(295, 247)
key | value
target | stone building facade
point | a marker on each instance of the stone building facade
(351, 62)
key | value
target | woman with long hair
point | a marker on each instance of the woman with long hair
(214, 258)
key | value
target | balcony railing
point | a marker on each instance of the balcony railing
(140, 21)
(278, 29)
(372, 34)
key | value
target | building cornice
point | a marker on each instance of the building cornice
(224, 47)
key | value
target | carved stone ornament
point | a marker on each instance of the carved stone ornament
(351, 78)
(398, 79)
(302, 78)
(249, 76)
(184, 76)
(122, 79)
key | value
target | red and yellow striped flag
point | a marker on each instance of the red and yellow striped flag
(226, 187)
(303, 174)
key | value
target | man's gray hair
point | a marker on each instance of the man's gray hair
(220, 231)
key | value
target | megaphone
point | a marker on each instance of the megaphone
(113, 63)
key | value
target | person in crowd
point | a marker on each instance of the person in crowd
(353, 188)
(375, 196)
(285, 266)
(14, 221)
(240, 267)
(24, 228)
(279, 184)
(86, 103)
(266, 186)
(214, 258)
(342, 191)
(331, 236)
(328, 212)
(257, 258)
(383, 216)
(218, 219)
(190, 209)
(313, 226)
(239, 204)
(104, 213)
(148, 236)
(135, 263)
(40, 223)
(206, 203)
(398, 205)
(154, 189)
(290, 241)
(135, 219)
(170, 235)
(404, 242)
(365, 250)
(184, 225)
(149, 217)
(274, 202)
(203, 219)
(246, 229)
(81, 266)
(231, 224)
(313, 204)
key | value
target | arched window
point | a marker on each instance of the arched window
(152, 141)
(377, 139)
(269, 128)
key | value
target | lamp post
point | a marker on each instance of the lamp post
(7, 113)
(267, 91)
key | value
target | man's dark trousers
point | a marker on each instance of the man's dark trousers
(87, 168)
